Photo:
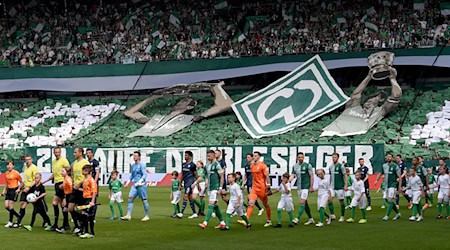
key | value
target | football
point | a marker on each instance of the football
(31, 197)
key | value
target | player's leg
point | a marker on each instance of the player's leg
(185, 201)
(91, 221)
(322, 201)
(65, 212)
(230, 210)
(42, 209)
(331, 205)
(112, 200)
(195, 194)
(33, 219)
(392, 206)
(252, 197)
(280, 206)
(142, 192)
(9, 206)
(290, 210)
(302, 197)
(439, 205)
(55, 202)
(131, 196)
(369, 199)
(212, 207)
(430, 193)
(23, 206)
(192, 204)
(348, 198)
(340, 194)
(265, 200)
(119, 199)
(362, 207)
(447, 204)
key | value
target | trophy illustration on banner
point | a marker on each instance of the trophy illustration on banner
(359, 117)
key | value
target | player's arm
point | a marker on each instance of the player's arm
(98, 173)
(427, 184)
(378, 177)
(221, 180)
(399, 187)
(285, 188)
(144, 173)
(131, 177)
(198, 180)
(244, 180)
(19, 178)
(94, 194)
(367, 174)
(239, 199)
(311, 180)
(198, 183)
(179, 185)
(110, 190)
(422, 190)
(267, 177)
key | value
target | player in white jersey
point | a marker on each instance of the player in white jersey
(323, 197)
(236, 202)
(443, 183)
(285, 202)
(359, 199)
(416, 186)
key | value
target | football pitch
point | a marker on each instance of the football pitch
(163, 232)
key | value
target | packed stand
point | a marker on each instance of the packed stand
(50, 33)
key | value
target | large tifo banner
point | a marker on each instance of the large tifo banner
(306, 93)
(162, 161)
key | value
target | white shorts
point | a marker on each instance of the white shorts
(443, 194)
(202, 191)
(362, 202)
(416, 195)
(390, 193)
(286, 203)
(337, 193)
(348, 193)
(322, 201)
(231, 208)
(302, 194)
(409, 192)
(212, 195)
(117, 197)
(176, 197)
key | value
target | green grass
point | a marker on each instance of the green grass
(163, 232)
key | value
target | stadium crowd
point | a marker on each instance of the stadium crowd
(70, 32)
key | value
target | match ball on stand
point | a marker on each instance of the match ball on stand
(380, 64)
(31, 197)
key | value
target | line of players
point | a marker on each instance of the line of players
(76, 189)
(197, 179)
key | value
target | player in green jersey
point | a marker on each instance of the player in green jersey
(303, 171)
(392, 175)
(115, 194)
(175, 194)
(339, 184)
(214, 174)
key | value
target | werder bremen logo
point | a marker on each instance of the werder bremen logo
(304, 94)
